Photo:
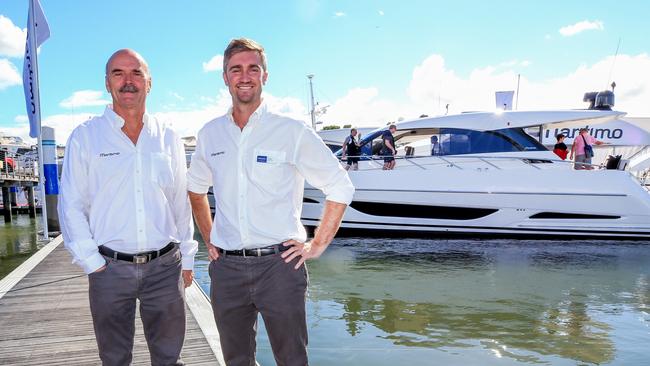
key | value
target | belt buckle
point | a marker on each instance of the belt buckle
(140, 259)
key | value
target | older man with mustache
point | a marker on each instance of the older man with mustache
(127, 219)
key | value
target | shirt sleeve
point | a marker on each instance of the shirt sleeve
(181, 207)
(199, 176)
(321, 169)
(73, 208)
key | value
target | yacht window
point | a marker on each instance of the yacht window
(453, 141)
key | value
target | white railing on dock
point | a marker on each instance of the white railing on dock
(18, 166)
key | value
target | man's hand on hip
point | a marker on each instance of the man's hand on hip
(308, 250)
(100, 269)
(213, 253)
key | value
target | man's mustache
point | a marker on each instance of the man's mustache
(129, 88)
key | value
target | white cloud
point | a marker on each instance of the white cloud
(9, 75)
(339, 14)
(381, 12)
(177, 96)
(215, 64)
(63, 125)
(84, 98)
(21, 119)
(573, 29)
(12, 38)
(514, 63)
(433, 85)
(362, 107)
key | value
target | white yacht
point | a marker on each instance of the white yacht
(489, 176)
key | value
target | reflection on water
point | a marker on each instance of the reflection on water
(18, 241)
(487, 302)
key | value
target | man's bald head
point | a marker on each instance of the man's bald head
(145, 66)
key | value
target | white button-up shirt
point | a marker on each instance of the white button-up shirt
(258, 177)
(130, 198)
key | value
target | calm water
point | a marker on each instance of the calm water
(18, 241)
(475, 302)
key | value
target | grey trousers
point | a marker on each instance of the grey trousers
(159, 287)
(241, 288)
(582, 159)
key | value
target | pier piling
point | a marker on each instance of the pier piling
(6, 203)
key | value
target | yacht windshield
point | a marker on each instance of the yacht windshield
(452, 141)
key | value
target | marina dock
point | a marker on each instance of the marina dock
(45, 317)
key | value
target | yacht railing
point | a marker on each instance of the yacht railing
(532, 162)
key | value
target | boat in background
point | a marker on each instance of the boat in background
(490, 177)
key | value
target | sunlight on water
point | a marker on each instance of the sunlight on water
(476, 302)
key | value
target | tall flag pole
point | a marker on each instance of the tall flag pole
(37, 32)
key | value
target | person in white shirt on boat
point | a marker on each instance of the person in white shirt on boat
(126, 218)
(257, 162)
(435, 146)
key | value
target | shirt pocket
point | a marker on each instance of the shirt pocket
(269, 167)
(161, 169)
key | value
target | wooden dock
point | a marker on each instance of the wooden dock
(51, 324)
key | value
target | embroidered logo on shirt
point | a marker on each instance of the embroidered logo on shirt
(261, 159)
(217, 153)
(105, 155)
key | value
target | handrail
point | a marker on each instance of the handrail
(485, 159)
(17, 166)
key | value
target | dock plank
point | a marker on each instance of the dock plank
(52, 325)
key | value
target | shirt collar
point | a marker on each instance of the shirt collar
(256, 116)
(118, 122)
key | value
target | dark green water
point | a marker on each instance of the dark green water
(18, 241)
(475, 302)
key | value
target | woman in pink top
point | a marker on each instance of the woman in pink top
(583, 161)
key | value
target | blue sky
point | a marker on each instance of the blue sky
(374, 61)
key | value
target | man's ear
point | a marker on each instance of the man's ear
(225, 78)
(266, 76)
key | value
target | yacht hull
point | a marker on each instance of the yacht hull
(537, 202)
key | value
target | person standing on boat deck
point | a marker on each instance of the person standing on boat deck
(351, 150)
(126, 218)
(388, 150)
(582, 157)
(560, 149)
(435, 146)
(257, 162)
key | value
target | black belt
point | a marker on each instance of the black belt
(257, 252)
(139, 258)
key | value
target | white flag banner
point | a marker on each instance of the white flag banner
(37, 32)
(504, 99)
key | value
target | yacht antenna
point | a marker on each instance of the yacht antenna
(614, 61)
(517, 99)
(312, 112)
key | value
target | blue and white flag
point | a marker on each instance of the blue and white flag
(37, 32)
